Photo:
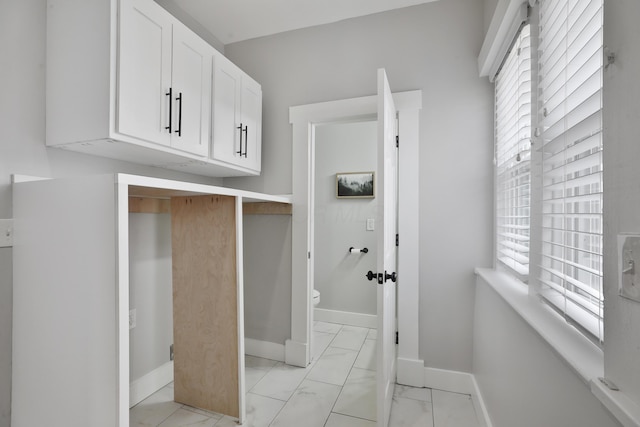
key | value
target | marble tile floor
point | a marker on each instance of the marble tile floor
(336, 390)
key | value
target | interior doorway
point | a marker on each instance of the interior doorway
(344, 224)
(305, 119)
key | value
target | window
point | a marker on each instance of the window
(570, 104)
(549, 195)
(513, 157)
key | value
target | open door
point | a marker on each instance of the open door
(386, 264)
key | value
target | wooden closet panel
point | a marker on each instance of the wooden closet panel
(205, 303)
(149, 205)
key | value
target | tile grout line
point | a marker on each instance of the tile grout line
(303, 379)
(347, 377)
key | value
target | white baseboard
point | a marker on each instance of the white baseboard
(479, 405)
(459, 382)
(453, 381)
(264, 349)
(296, 353)
(148, 384)
(346, 318)
(410, 372)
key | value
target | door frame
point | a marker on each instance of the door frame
(303, 119)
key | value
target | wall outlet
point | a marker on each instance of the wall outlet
(6, 233)
(629, 266)
(132, 318)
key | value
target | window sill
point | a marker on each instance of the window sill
(583, 357)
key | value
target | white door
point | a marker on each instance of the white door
(191, 82)
(386, 263)
(144, 71)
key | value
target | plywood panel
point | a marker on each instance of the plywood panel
(148, 205)
(205, 303)
(266, 208)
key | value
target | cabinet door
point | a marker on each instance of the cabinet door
(251, 119)
(191, 82)
(226, 111)
(144, 71)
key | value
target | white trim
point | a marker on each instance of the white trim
(482, 412)
(264, 349)
(507, 18)
(618, 403)
(453, 381)
(410, 372)
(295, 353)
(242, 407)
(17, 179)
(149, 383)
(408, 286)
(346, 318)
(198, 189)
(123, 354)
(459, 382)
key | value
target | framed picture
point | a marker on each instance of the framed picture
(355, 185)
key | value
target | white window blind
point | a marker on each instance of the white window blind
(513, 155)
(570, 103)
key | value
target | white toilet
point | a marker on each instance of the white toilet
(316, 298)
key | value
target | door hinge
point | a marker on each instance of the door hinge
(397, 337)
(308, 255)
(171, 352)
(397, 141)
(397, 239)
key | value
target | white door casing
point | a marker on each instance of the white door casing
(303, 119)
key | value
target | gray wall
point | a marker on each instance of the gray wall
(150, 292)
(22, 148)
(267, 277)
(432, 47)
(523, 381)
(341, 223)
(193, 24)
(621, 198)
(489, 8)
(6, 296)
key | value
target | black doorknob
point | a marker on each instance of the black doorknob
(393, 276)
(371, 275)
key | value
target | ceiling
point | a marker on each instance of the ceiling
(235, 20)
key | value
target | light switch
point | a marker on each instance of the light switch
(629, 266)
(371, 224)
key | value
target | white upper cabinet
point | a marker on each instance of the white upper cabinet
(191, 92)
(144, 72)
(251, 120)
(237, 116)
(127, 80)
